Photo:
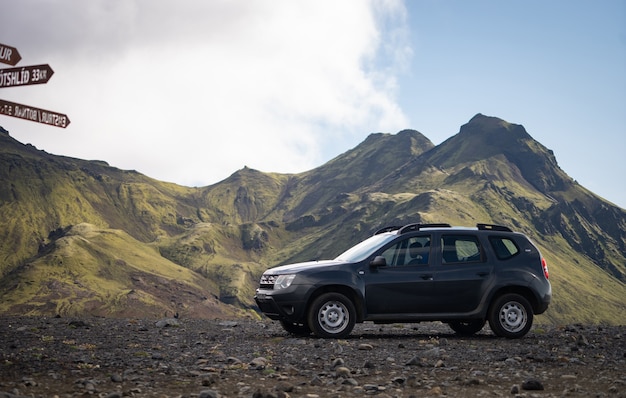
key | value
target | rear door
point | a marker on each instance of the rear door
(461, 274)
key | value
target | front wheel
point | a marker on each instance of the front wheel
(510, 316)
(332, 315)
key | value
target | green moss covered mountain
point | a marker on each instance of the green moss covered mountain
(83, 238)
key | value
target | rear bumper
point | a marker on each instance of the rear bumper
(544, 302)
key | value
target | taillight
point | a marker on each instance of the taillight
(544, 265)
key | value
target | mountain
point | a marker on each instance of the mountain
(82, 237)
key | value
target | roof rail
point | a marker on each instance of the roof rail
(491, 227)
(387, 229)
(417, 227)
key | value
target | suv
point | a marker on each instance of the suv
(418, 272)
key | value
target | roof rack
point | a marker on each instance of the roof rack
(491, 227)
(417, 227)
(387, 229)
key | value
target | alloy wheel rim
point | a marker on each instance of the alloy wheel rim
(513, 316)
(333, 317)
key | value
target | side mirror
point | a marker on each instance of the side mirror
(378, 261)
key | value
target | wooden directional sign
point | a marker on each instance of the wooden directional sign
(9, 55)
(25, 76)
(33, 114)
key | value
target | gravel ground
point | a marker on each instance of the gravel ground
(48, 357)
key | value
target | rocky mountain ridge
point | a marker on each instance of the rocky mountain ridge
(61, 219)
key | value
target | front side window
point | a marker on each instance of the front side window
(460, 249)
(408, 252)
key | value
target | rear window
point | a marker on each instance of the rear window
(460, 249)
(504, 247)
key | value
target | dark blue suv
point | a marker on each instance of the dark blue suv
(418, 272)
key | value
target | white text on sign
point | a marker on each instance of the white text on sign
(33, 114)
(28, 75)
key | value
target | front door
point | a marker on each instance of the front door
(404, 285)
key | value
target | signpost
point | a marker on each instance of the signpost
(33, 114)
(26, 76)
(9, 55)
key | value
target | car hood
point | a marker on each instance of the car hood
(299, 267)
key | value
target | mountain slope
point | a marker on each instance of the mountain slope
(107, 273)
(41, 193)
(226, 234)
(362, 166)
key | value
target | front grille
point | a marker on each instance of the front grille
(267, 281)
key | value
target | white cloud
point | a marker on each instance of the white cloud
(191, 91)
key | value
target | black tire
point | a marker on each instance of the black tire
(332, 315)
(511, 316)
(297, 329)
(467, 328)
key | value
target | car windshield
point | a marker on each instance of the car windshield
(365, 248)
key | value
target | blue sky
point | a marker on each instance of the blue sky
(556, 67)
(191, 91)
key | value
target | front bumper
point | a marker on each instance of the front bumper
(287, 306)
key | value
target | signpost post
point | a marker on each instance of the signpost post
(9, 55)
(26, 76)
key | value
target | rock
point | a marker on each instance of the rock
(258, 363)
(208, 394)
(257, 358)
(342, 371)
(233, 360)
(432, 353)
(416, 361)
(79, 323)
(581, 340)
(316, 381)
(210, 379)
(532, 385)
(337, 362)
(400, 380)
(436, 390)
(284, 386)
(350, 381)
(167, 322)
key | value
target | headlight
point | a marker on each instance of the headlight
(283, 281)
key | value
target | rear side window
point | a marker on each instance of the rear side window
(460, 249)
(505, 248)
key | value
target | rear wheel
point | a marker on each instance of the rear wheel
(332, 315)
(298, 329)
(511, 315)
(467, 328)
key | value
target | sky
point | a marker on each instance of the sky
(190, 91)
